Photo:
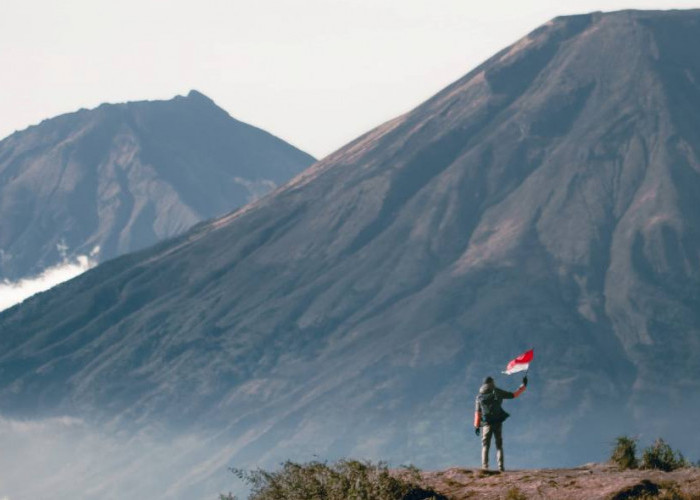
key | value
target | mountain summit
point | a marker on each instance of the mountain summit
(122, 177)
(546, 200)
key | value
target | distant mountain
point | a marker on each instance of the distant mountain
(122, 177)
(548, 199)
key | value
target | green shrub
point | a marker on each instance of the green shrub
(670, 490)
(343, 480)
(624, 454)
(514, 493)
(660, 456)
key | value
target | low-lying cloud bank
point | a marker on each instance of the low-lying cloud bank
(14, 292)
(67, 458)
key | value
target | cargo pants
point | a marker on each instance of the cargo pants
(495, 430)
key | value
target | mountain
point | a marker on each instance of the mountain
(548, 199)
(122, 177)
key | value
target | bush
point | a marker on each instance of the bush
(339, 481)
(514, 493)
(624, 454)
(660, 456)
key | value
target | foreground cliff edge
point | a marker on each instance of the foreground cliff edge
(590, 481)
(361, 480)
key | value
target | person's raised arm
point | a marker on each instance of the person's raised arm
(521, 389)
(510, 395)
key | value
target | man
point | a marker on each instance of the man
(490, 415)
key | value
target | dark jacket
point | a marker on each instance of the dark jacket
(487, 409)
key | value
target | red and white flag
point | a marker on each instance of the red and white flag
(521, 363)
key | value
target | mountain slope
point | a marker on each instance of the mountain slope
(544, 200)
(123, 176)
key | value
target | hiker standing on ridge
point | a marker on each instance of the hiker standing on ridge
(489, 415)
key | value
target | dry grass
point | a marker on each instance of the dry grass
(514, 493)
(589, 482)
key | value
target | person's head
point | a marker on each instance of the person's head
(488, 381)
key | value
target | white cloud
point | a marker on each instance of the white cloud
(14, 292)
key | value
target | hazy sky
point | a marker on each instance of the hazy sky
(314, 72)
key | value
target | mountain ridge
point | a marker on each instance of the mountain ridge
(122, 176)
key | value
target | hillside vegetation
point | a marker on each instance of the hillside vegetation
(662, 474)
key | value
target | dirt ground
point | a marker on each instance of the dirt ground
(588, 482)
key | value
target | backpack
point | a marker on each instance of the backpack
(491, 411)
